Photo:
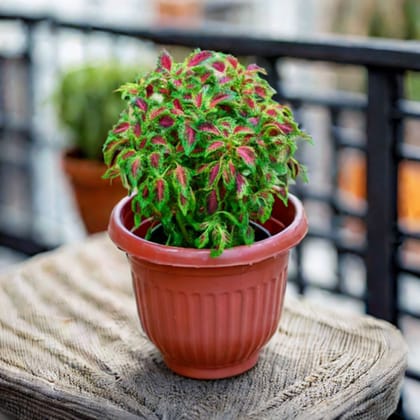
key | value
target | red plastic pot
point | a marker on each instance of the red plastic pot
(209, 316)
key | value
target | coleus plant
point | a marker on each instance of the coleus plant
(204, 149)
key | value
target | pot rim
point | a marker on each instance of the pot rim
(142, 249)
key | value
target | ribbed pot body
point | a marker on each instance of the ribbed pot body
(209, 317)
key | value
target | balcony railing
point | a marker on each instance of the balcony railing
(382, 112)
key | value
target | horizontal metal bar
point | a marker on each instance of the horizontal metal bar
(11, 128)
(412, 375)
(335, 203)
(10, 162)
(330, 99)
(344, 143)
(340, 246)
(27, 246)
(408, 152)
(382, 53)
(346, 140)
(336, 291)
(318, 196)
(408, 312)
(408, 109)
(406, 234)
(412, 271)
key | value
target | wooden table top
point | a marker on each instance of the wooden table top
(71, 346)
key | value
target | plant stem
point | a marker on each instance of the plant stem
(182, 227)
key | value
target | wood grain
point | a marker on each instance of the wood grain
(71, 346)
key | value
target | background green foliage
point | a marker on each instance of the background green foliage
(88, 104)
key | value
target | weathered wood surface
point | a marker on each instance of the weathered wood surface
(71, 346)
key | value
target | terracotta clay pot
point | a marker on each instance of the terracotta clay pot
(95, 197)
(209, 316)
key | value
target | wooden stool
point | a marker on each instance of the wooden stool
(72, 346)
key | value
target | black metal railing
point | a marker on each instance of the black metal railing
(383, 111)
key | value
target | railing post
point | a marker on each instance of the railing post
(384, 89)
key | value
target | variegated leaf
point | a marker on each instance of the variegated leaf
(198, 58)
(247, 154)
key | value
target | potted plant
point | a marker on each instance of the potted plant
(207, 156)
(87, 109)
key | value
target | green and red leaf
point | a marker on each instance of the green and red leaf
(228, 177)
(178, 107)
(250, 102)
(233, 61)
(154, 159)
(221, 239)
(219, 66)
(191, 135)
(111, 172)
(214, 172)
(122, 127)
(240, 184)
(216, 145)
(255, 68)
(243, 129)
(135, 166)
(202, 168)
(261, 91)
(204, 77)
(220, 97)
(209, 128)
(294, 167)
(112, 148)
(149, 93)
(127, 154)
(198, 58)
(159, 140)
(212, 203)
(165, 61)
(157, 112)
(272, 112)
(232, 168)
(285, 128)
(160, 188)
(226, 124)
(137, 130)
(142, 104)
(199, 100)
(181, 176)
(225, 79)
(202, 240)
(247, 154)
(183, 203)
(166, 121)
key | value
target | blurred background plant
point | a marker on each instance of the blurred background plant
(88, 106)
